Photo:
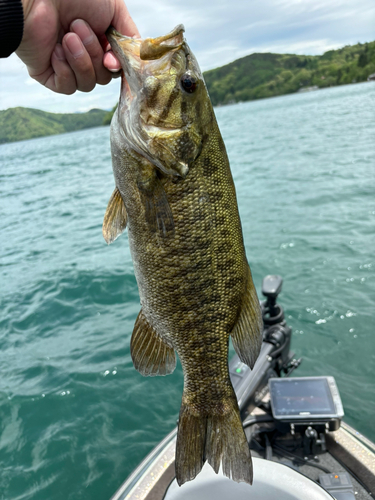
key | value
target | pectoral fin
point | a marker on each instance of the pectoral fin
(157, 210)
(150, 354)
(115, 218)
(247, 332)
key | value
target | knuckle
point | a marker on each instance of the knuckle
(86, 86)
(94, 49)
(104, 79)
(69, 91)
(66, 84)
(65, 88)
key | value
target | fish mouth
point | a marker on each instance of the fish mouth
(126, 49)
(147, 49)
(139, 57)
(155, 48)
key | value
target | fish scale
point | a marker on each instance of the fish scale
(175, 192)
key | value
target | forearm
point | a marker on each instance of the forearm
(11, 26)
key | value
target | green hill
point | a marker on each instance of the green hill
(265, 75)
(252, 77)
(18, 124)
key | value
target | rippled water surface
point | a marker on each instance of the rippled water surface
(75, 417)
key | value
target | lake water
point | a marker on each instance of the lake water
(75, 416)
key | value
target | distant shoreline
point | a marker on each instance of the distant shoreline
(19, 124)
(107, 115)
(253, 77)
(290, 94)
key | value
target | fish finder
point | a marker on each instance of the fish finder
(306, 401)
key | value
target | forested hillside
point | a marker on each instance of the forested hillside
(18, 124)
(252, 77)
(265, 75)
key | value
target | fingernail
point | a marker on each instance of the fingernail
(59, 52)
(111, 62)
(83, 31)
(74, 45)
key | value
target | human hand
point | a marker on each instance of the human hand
(64, 45)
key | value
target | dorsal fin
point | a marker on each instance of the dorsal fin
(247, 332)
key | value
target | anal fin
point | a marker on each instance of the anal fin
(150, 354)
(115, 218)
(248, 330)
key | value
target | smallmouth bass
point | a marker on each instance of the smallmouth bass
(175, 194)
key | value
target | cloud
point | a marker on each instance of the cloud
(218, 32)
(18, 89)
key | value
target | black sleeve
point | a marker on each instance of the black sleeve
(11, 26)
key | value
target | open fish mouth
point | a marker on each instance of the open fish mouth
(140, 58)
(122, 45)
(147, 49)
(153, 67)
(127, 50)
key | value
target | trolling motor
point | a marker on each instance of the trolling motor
(276, 331)
(272, 312)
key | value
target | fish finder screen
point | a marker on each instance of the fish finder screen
(301, 397)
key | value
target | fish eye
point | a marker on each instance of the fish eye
(189, 83)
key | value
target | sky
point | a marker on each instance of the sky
(218, 32)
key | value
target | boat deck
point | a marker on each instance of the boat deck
(360, 460)
(347, 451)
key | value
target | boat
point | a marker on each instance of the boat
(301, 448)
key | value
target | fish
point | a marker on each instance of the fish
(176, 196)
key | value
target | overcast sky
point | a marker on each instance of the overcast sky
(218, 32)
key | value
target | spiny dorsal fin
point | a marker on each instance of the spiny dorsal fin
(115, 218)
(150, 354)
(247, 332)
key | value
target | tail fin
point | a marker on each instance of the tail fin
(219, 439)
